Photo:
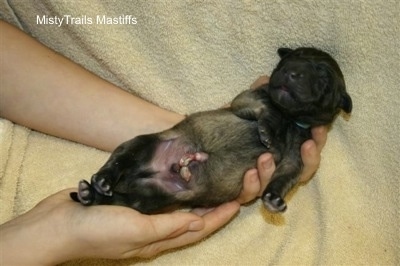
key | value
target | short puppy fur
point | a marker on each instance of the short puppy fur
(201, 161)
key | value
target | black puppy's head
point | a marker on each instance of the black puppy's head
(308, 86)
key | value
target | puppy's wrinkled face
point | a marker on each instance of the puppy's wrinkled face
(308, 85)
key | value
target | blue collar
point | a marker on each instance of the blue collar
(302, 125)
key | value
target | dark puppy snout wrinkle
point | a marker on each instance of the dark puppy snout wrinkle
(201, 161)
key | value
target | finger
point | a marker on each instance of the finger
(266, 168)
(212, 221)
(255, 180)
(311, 157)
(251, 186)
(320, 136)
(201, 211)
(311, 152)
(260, 81)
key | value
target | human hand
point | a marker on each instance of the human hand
(58, 230)
(256, 180)
(262, 80)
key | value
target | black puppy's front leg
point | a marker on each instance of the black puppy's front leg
(284, 178)
(249, 104)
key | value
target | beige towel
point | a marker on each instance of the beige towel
(194, 55)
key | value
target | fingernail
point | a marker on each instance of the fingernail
(252, 176)
(268, 164)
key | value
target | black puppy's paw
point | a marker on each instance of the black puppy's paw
(101, 185)
(85, 194)
(274, 203)
(266, 141)
(265, 136)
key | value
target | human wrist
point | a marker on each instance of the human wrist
(35, 239)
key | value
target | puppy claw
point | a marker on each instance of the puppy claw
(274, 203)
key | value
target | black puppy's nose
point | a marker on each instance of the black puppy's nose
(294, 75)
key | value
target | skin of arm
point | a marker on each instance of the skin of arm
(55, 92)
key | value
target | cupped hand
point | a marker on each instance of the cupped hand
(59, 229)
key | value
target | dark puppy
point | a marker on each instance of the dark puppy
(201, 161)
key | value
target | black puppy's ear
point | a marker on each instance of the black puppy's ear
(346, 103)
(284, 51)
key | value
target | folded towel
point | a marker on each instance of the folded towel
(188, 56)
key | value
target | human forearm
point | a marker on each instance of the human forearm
(45, 91)
(31, 239)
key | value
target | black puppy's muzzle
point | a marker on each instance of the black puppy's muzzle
(293, 75)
